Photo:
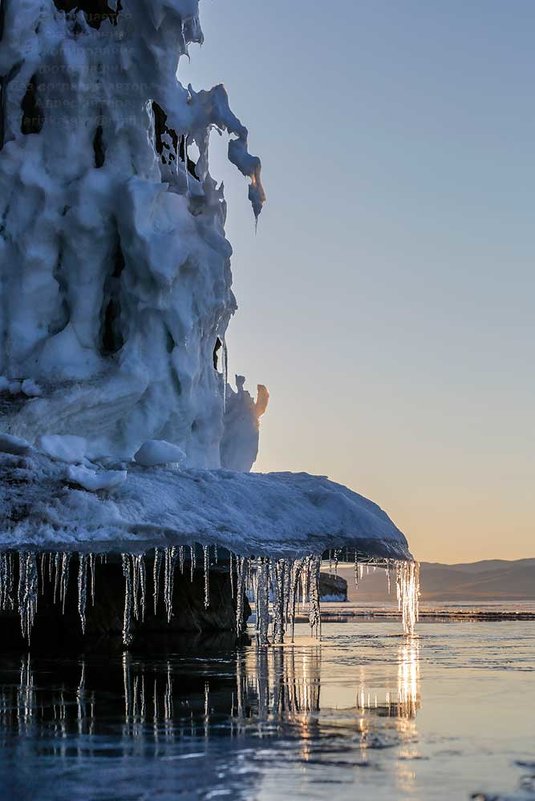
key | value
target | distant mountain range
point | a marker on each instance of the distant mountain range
(491, 580)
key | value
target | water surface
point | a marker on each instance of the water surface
(365, 715)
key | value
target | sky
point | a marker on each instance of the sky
(387, 297)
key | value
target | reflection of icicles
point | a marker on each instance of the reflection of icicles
(206, 570)
(408, 593)
(409, 679)
(28, 592)
(82, 588)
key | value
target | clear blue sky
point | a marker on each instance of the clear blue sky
(387, 299)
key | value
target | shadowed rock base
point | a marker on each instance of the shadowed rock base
(56, 632)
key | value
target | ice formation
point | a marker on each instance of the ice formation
(278, 587)
(119, 431)
(114, 267)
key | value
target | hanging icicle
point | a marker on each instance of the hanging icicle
(276, 586)
(206, 570)
(156, 571)
(408, 593)
(28, 592)
(82, 588)
(127, 618)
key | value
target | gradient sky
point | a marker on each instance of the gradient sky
(387, 299)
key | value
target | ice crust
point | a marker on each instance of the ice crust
(114, 266)
(252, 514)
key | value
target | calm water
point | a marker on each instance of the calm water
(366, 715)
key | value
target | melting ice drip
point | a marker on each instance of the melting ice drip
(280, 588)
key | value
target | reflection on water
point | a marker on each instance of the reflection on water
(365, 714)
(160, 697)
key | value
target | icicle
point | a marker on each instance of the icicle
(262, 600)
(92, 577)
(28, 592)
(64, 579)
(388, 580)
(408, 594)
(181, 557)
(305, 580)
(127, 619)
(6, 581)
(43, 571)
(206, 569)
(277, 582)
(82, 589)
(193, 560)
(142, 584)
(57, 575)
(240, 591)
(297, 568)
(231, 574)
(169, 575)
(156, 571)
(216, 554)
(315, 616)
(135, 586)
(357, 570)
(225, 373)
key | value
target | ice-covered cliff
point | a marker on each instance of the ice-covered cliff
(119, 431)
(114, 267)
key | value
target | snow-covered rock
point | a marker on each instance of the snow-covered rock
(63, 447)
(31, 389)
(276, 514)
(14, 445)
(156, 452)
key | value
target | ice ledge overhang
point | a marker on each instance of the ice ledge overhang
(252, 514)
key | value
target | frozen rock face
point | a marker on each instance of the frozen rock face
(114, 266)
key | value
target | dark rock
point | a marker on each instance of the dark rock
(56, 632)
(333, 587)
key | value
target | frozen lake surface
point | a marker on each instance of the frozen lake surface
(365, 715)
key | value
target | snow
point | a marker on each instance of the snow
(156, 452)
(93, 480)
(64, 448)
(276, 514)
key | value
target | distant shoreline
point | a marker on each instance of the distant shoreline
(466, 610)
